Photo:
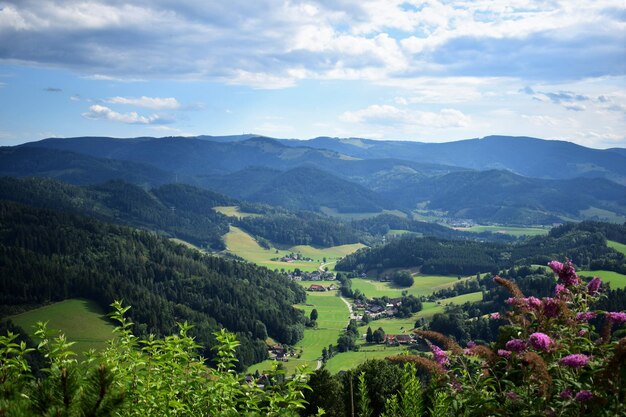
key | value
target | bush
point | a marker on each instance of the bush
(138, 377)
(549, 360)
(402, 279)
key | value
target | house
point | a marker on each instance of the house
(332, 287)
(374, 309)
(315, 287)
(404, 339)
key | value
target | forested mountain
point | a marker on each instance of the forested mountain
(302, 188)
(526, 156)
(76, 168)
(49, 256)
(501, 180)
(584, 244)
(176, 210)
(503, 197)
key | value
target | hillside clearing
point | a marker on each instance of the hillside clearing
(240, 243)
(82, 321)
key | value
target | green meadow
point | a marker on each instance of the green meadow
(423, 285)
(333, 318)
(620, 247)
(343, 361)
(82, 321)
(240, 243)
(233, 211)
(507, 230)
(616, 279)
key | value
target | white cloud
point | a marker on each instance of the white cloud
(386, 114)
(97, 112)
(157, 103)
(275, 44)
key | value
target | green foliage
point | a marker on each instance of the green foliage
(47, 256)
(363, 398)
(138, 377)
(402, 278)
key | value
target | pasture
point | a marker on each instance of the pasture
(620, 247)
(240, 243)
(82, 321)
(423, 285)
(349, 360)
(616, 279)
(333, 318)
(233, 211)
(507, 230)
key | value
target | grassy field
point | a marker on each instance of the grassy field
(349, 360)
(82, 321)
(595, 213)
(620, 247)
(507, 230)
(359, 216)
(333, 318)
(233, 211)
(616, 279)
(423, 285)
(242, 244)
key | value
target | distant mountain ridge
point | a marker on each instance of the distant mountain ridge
(494, 180)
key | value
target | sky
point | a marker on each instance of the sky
(429, 71)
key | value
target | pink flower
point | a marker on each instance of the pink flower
(566, 272)
(512, 396)
(504, 353)
(533, 302)
(582, 332)
(540, 341)
(551, 307)
(617, 317)
(516, 345)
(556, 266)
(585, 316)
(560, 289)
(594, 286)
(494, 316)
(577, 360)
(440, 356)
(566, 394)
(471, 344)
(584, 395)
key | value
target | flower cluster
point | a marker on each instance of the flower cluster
(552, 360)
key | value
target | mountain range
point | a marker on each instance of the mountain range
(497, 179)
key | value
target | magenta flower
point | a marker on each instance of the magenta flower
(540, 341)
(617, 317)
(584, 395)
(504, 353)
(585, 316)
(533, 302)
(582, 332)
(577, 360)
(556, 266)
(516, 345)
(494, 316)
(560, 289)
(566, 394)
(441, 357)
(471, 344)
(594, 286)
(551, 307)
(512, 396)
(566, 272)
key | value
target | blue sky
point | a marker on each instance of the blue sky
(429, 71)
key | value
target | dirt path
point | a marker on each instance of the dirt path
(349, 307)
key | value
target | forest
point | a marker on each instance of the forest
(584, 243)
(47, 256)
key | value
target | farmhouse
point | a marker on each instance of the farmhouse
(398, 339)
(315, 287)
